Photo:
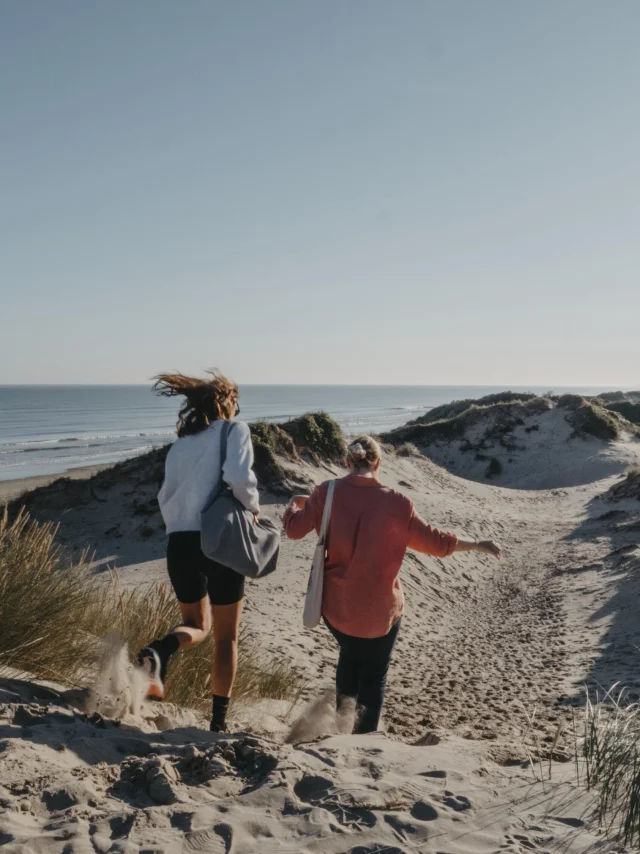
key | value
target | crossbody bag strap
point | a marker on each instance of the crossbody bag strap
(326, 516)
(224, 438)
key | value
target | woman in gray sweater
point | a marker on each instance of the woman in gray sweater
(207, 592)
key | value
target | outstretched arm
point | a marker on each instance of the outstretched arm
(488, 547)
(423, 538)
(428, 540)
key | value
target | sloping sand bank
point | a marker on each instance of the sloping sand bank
(73, 784)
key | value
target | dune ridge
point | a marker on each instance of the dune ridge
(528, 441)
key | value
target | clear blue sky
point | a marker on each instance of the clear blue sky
(333, 191)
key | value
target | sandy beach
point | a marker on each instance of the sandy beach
(484, 688)
(12, 489)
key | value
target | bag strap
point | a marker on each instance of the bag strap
(224, 437)
(326, 516)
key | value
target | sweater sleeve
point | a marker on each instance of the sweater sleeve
(302, 522)
(423, 538)
(238, 467)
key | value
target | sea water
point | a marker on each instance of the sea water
(46, 430)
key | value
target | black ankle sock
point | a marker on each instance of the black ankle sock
(219, 713)
(165, 649)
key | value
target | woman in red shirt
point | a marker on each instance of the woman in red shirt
(370, 529)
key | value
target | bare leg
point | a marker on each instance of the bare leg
(226, 626)
(196, 623)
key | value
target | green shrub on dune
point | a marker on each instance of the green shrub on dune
(494, 468)
(591, 419)
(499, 420)
(457, 407)
(314, 436)
(491, 420)
(628, 487)
(628, 410)
(318, 435)
(270, 445)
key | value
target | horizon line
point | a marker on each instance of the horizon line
(539, 385)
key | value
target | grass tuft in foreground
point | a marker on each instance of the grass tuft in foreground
(53, 616)
(611, 750)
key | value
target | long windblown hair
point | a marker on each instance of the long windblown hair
(206, 400)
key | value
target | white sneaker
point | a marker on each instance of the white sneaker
(152, 666)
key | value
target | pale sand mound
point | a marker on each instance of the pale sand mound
(72, 784)
(535, 443)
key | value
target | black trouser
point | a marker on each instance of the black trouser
(362, 673)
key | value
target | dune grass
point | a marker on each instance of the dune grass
(53, 615)
(628, 410)
(588, 418)
(314, 436)
(407, 449)
(611, 750)
(451, 410)
(628, 487)
(495, 422)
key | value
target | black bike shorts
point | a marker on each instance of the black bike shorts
(193, 575)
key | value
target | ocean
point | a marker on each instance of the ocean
(46, 430)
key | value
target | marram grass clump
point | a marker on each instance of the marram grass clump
(590, 419)
(628, 487)
(494, 422)
(611, 751)
(457, 407)
(54, 614)
(628, 410)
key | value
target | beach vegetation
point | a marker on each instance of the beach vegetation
(628, 487)
(54, 614)
(630, 411)
(407, 449)
(318, 435)
(271, 445)
(494, 468)
(611, 751)
(457, 407)
(591, 419)
(489, 424)
(611, 397)
(315, 437)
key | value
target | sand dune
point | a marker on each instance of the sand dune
(490, 664)
(529, 442)
(76, 784)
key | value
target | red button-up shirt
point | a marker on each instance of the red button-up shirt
(370, 530)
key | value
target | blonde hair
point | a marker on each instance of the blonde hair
(363, 453)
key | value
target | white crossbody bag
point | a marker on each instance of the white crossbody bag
(313, 601)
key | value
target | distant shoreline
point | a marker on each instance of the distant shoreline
(48, 431)
(11, 489)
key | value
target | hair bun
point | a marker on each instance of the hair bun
(357, 451)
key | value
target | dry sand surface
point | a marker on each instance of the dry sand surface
(490, 664)
(12, 489)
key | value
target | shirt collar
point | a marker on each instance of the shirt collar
(358, 480)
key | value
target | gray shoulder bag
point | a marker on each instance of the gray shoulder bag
(230, 535)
